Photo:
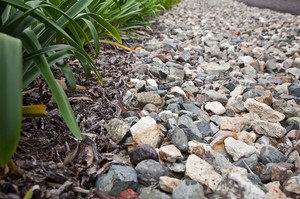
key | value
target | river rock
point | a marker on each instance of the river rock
(188, 189)
(117, 179)
(149, 171)
(141, 153)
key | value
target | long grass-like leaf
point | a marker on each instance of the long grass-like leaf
(11, 96)
(31, 44)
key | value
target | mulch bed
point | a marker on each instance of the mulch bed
(48, 154)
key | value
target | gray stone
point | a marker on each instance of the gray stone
(269, 154)
(176, 72)
(188, 189)
(250, 161)
(271, 64)
(288, 108)
(234, 186)
(141, 153)
(204, 128)
(218, 161)
(174, 107)
(216, 96)
(176, 167)
(179, 139)
(171, 124)
(268, 129)
(149, 171)
(117, 129)
(150, 193)
(213, 68)
(268, 168)
(194, 109)
(172, 64)
(118, 179)
(190, 129)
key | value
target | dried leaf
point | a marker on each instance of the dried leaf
(89, 154)
(70, 157)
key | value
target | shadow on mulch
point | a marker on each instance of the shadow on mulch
(49, 156)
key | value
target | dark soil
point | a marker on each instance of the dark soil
(48, 154)
(288, 6)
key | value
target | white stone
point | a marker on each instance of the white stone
(268, 129)
(263, 110)
(152, 82)
(238, 90)
(238, 149)
(177, 91)
(170, 153)
(145, 131)
(199, 170)
(215, 107)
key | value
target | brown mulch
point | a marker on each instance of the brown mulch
(48, 156)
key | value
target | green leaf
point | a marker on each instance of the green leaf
(68, 73)
(31, 44)
(11, 96)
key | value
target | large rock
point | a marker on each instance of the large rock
(118, 179)
(199, 170)
(188, 189)
(238, 149)
(149, 172)
(117, 129)
(141, 153)
(148, 98)
(235, 186)
(268, 129)
(263, 110)
(145, 131)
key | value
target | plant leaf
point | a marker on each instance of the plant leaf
(31, 44)
(11, 96)
(34, 111)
